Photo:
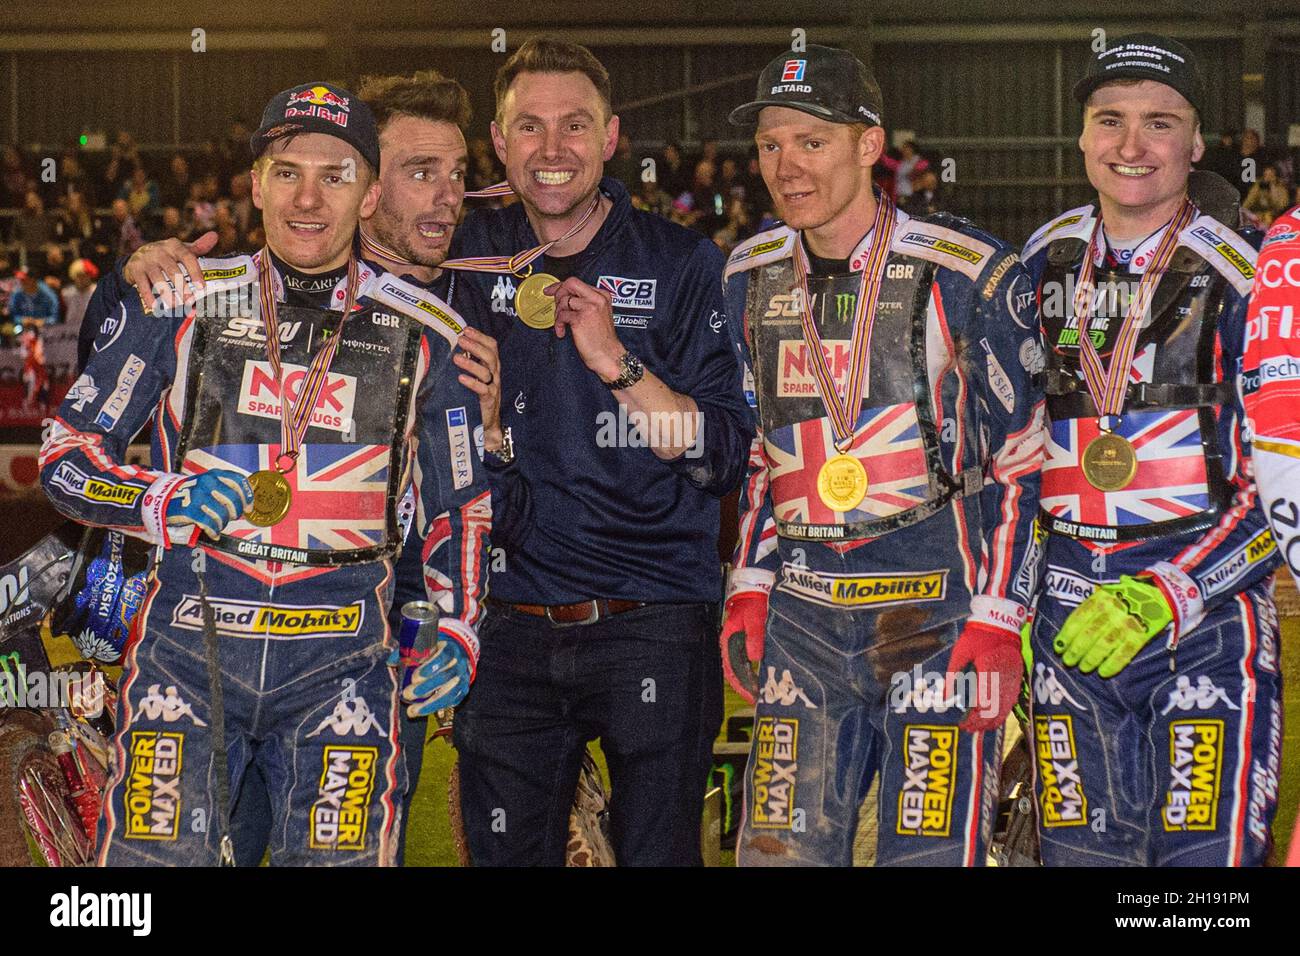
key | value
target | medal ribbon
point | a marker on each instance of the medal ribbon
(844, 412)
(374, 247)
(1108, 389)
(520, 260)
(295, 415)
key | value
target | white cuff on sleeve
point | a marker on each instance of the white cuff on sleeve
(463, 635)
(998, 612)
(743, 580)
(153, 512)
(1184, 596)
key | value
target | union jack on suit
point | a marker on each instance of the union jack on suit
(296, 611)
(1166, 763)
(865, 605)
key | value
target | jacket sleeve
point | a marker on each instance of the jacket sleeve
(83, 453)
(453, 508)
(1005, 358)
(757, 558)
(701, 363)
(1238, 551)
(1270, 383)
(106, 299)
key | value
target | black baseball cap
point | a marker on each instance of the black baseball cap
(319, 108)
(828, 83)
(1145, 56)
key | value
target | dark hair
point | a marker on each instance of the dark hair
(425, 94)
(547, 55)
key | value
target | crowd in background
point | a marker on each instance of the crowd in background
(75, 215)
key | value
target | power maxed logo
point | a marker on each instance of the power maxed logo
(929, 775)
(1195, 769)
(342, 808)
(776, 754)
(153, 785)
(1062, 799)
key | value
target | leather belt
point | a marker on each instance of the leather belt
(584, 612)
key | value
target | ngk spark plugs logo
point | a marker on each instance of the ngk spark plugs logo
(776, 754)
(795, 377)
(259, 394)
(1062, 798)
(153, 785)
(1195, 769)
(339, 815)
(925, 802)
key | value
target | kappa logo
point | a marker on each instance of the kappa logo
(629, 293)
(342, 808)
(503, 296)
(929, 778)
(152, 800)
(82, 393)
(1061, 795)
(774, 773)
(167, 705)
(259, 394)
(785, 691)
(272, 621)
(1048, 689)
(349, 719)
(1195, 772)
(1201, 697)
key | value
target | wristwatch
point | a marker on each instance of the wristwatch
(630, 372)
(506, 453)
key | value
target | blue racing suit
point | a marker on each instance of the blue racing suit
(296, 610)
(866, 605)
(1153, 766)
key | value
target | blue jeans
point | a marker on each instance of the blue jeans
(1175, 760)
(833, 712)
(647, 682)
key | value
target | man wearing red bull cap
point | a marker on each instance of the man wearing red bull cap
(1156, 690)
(294, 404)
(887, 512)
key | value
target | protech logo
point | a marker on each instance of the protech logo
(75, 908)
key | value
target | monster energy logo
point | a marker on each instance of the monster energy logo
(845, 303)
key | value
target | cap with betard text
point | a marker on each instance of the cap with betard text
(823, 81)
(319, 108)
(1145, 56)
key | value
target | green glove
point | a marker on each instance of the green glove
(1108, 629)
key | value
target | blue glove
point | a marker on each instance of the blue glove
(211, 500)
(440, 682)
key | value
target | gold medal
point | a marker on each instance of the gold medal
(536, 309)
(842, 483)
(1109, 462)
(271, 498)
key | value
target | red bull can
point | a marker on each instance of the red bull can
(418, 636)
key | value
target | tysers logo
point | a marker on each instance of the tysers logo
(929, 776)
(259, 394)
(997, 377)
(1061, 795)
(116, 403)
(274, 621)
(462, 465)
(1195, 769)
(342, 808)
(629, 293)
(776, 754)
(153, 785)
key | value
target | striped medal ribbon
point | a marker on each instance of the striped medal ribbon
(272, 495)
(1109, 463)
(842, 478)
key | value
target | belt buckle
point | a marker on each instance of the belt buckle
(592, 617)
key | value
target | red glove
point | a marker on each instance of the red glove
(993, 651)
(744, 625)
